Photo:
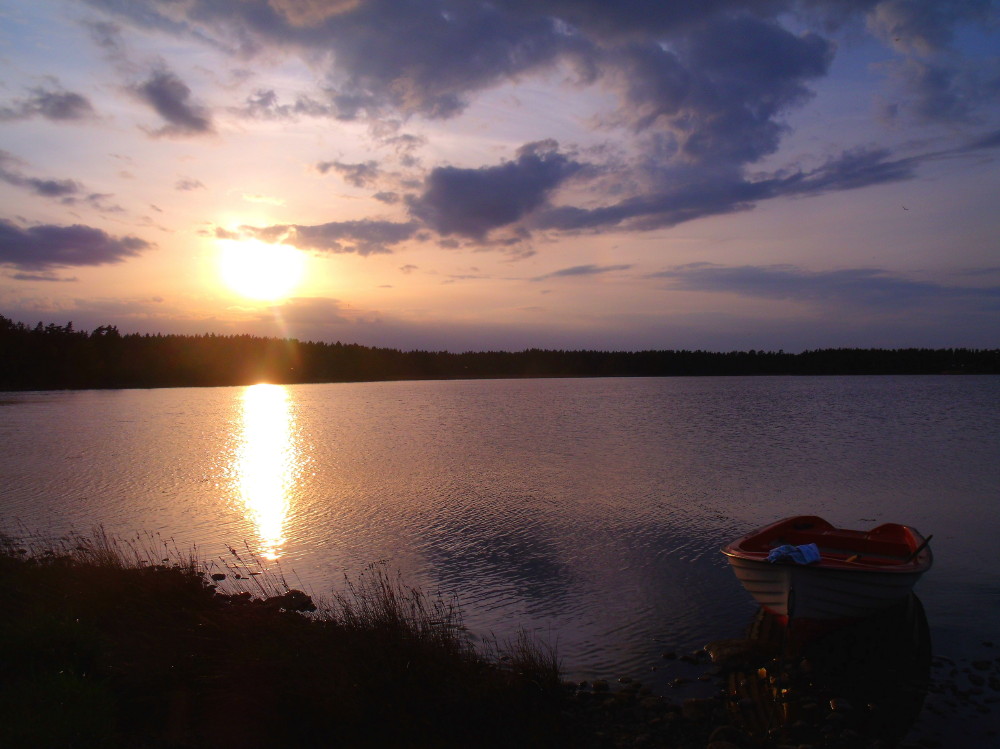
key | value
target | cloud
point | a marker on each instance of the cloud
(49, 188)
(935, 82)
(171, 98)
(924, 27)
(989, 140)
(263, 104)
(472, 202)
(267, 199)
(700, 92)
(39, 248)
(56, 106)
(359, 175)
(694, 194)
(853, 286)
(365, 237)
(40, 277)
(582, 270)
(186, 184)
(720, 87)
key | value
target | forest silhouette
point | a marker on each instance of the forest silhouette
(59, 356)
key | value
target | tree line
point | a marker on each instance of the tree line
(59, 356)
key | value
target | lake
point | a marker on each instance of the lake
(589, 511)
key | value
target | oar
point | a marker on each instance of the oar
(919, 549)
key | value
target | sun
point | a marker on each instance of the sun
(260, 271)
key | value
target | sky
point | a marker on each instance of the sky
(469, 176)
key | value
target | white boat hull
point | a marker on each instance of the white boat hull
(814, 592)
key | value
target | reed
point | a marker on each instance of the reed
(142, 645)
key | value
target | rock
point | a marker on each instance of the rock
(840, 705)
(600, 685)
(651, 703)
(293, 600)
(730, 735)
(218, 576)
(696, 709)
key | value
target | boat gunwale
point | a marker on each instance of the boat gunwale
(867, 562)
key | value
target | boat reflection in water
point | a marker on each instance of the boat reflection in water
(267, 464)
(859, 684)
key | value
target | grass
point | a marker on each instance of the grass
(107, 643)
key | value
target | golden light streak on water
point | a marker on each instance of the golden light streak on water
(267, 463)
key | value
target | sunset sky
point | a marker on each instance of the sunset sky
(468, 175)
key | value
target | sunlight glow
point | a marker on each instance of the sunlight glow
(259, 270)
(267, 464)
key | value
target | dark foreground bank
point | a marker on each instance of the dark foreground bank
(112, 644)
(99, 647)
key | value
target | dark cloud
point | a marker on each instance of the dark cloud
(854, 286)
(361, 237)
(57, 106)
(171, 98)
(387, 197)
(40, 248)
(472, 202)
(703, 91)
(695, 195)
(359, 175)
(990, 140)
(850, 170)
(710, 68)
(720, 87)
(936, 83)
(49, 188)
(264, 105)
(582, 270)
(459, 48)
(925, 26)
(186, 184)
(943, 91)
(46, 277)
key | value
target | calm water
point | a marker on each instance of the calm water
(590, 511)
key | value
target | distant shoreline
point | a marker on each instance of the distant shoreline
(55, 357)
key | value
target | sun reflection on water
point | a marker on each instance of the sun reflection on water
(267, 463)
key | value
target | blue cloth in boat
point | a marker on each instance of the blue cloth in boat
(805, 554)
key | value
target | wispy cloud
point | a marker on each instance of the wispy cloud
(582, 270)
(870, 287)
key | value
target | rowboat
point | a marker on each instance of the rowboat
(803, 568)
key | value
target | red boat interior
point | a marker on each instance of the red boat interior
(888, 544)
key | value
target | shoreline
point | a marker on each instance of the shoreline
(139, 647)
